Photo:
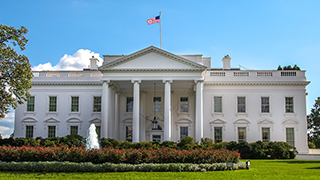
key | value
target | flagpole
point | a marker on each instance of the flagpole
(160, 30)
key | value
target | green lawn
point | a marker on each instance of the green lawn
(260, 169)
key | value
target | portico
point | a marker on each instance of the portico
(173, 78)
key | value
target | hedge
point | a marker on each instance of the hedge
(130, 156)
(111, 167)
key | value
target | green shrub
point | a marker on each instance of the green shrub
(311, 145)
(170, 144)
(186, 142)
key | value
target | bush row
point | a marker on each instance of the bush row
(256, 150)
(110, 167)
(131, 156)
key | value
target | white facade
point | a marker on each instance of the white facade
(191, 99)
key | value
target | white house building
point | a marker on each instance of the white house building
(154, 95)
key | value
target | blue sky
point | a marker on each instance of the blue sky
(257, 34)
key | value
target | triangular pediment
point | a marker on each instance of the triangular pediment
(152, 58)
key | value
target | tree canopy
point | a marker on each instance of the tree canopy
(15, 69)
(314, 122)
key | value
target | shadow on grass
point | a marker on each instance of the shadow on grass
(296, 161)
(313, 168)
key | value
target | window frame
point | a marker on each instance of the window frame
(55, 131)
(214, 104)
(186, 129)
(96, 104)
(127, 135)
(74, 128)
(263, 106)
(245, 134)
(33, 105)
(214, 134)
(53, 105)
(262, 134)
(157, 106)
(127, 104)
(289, 105)
(181, 104)
(76, 105)
(293, 136)
(245, 105)
(28, 132)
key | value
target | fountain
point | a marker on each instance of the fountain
(92, 138)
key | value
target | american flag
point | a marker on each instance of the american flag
(154, 20)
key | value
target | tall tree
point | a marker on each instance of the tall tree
(314, 121)
(15, 69)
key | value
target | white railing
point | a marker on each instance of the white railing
(264, 73)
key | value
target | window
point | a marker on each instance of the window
(290, 136)
(156, 104)
(51, 131)
(30, 104)
(217, 104)
(129, 104)
(289, 104)
(217, 134)
(73, 130)
(98, 131)
(53, 103)
(129, 133)
(29, 131)
(156, 138)
(183, 132)
(266, 134)
(97, 104)
(241, 104)
(75, 104)
(184, 104)
(265, 105)
(241, 134)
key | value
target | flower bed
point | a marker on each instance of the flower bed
(111, 155)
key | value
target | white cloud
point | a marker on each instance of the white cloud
(9, 117)
(5, 136)
(3, 129)
(77, 61)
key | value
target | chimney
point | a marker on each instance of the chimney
(93, 63)
(226, 62)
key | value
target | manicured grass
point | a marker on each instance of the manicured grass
(260, 169)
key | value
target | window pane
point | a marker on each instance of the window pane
(30, 104)
(97, 104)
(53, 104)
(129, 104)
(29, 131)
(241, 104)
(265, 104)
(183, 132)
(217, 104)
(156, 138)
(156, 104)
(217, 134)
(74, 104)
(289, 104)
(73, 130)
(241, 134)
(184, 104)
(51, 131)
(290, 136)
(266, 134)
(129, 133)
(98, 131)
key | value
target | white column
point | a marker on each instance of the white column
(105, 108)
(136, 110)
(199, 110)
(116, 115)
(167, 110)
(142, 134)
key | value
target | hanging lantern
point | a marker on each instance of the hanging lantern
(154, 124)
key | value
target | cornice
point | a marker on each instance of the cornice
(64, 83)
(151, 49)
(152, 70)
(257, 83)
